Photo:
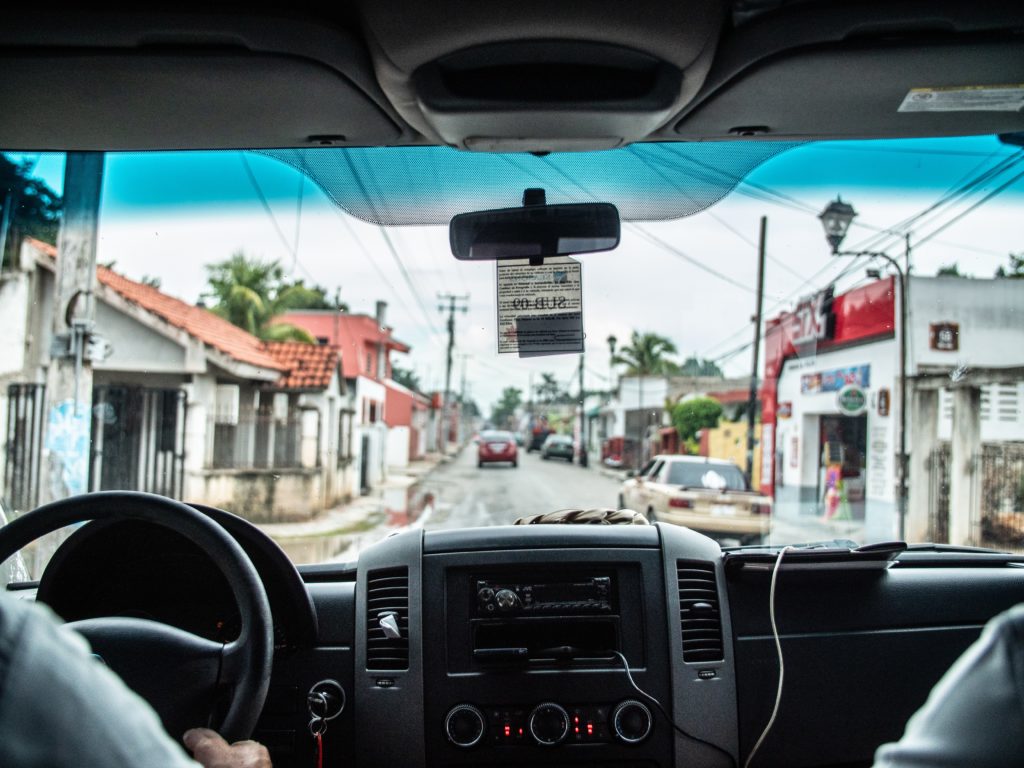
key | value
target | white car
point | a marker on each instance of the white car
(707, 495)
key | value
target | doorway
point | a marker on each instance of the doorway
(842, 466)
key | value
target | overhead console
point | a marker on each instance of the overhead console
(537, 76)
(509, 648)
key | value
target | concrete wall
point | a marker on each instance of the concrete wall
(14, 316)
(398, 448)
(136, 347)
(259, 495)
(987, 311)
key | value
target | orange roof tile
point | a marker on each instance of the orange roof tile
(309, 366)
(201, 323)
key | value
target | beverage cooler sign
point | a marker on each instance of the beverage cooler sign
(836, 379)
(852, 400)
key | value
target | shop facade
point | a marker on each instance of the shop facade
(831, 404)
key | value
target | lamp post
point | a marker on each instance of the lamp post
(836, 219)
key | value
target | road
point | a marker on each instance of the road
(496, 494)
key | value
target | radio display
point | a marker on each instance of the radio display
(568, 592)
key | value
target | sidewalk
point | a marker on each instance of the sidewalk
(362, 513)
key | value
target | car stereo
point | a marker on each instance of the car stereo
(579, 595)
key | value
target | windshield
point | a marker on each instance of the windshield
(253, 341)
(717, 477)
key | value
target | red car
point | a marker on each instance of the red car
(495, 446)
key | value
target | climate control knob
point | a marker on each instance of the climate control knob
(465, 725)
(506, 600)
(549, 724)
(631, 721)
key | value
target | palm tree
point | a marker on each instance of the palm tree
(548, 391)
(645, 355)
(249, 293)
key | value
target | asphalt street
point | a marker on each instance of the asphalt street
(496, 494)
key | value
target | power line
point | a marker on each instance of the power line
(270, 213)
(963, 213)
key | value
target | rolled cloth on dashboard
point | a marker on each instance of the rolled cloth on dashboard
(596, 516)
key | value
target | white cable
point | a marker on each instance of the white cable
(778, 649)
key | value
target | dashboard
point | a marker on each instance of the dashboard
(561, 645)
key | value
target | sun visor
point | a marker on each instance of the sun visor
(140, 100)
(866, 91)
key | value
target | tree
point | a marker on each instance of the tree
(406, 377)
(34, 207)
(505, 408)
(694, 366)
(1016, 268)
(645, 355)
(950, 270)
(691, 416)
(549, 390)
(249, 293)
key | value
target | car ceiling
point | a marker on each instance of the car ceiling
(483, 75)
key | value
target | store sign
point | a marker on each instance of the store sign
(813, 319)
(835, 379)
(944, 337)
(785, 410)
(852, 400)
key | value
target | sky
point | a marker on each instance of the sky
(692, 279)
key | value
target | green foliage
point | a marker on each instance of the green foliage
(691, 416)
(1016, 269)
(503, 411)
(549, 390)
(646, 355)
(406, 377)
(950, 270)
(694, 366)
(249, 293)
(35, 208)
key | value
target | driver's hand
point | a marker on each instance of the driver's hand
(209, 749)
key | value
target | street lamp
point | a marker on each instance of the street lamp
(836, 220)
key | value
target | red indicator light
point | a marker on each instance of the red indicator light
(577, 729)
(576, 719)
(590, 729)
(508, 730)
(520, 731)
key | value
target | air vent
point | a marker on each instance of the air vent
(699, 616)
(387, 591)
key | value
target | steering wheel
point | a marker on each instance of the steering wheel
(180, 674)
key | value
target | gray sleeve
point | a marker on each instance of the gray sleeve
(975, 714)
(61, 708)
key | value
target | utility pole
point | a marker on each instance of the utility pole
(583, 416)
(752, 400)
(462, 393)
(453, 306)
(69, 375)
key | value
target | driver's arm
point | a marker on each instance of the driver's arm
(60, 707)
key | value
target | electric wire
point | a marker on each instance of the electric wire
(663, 711)
(778, 650)
(270, 213)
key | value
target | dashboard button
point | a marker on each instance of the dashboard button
(549, 724)
(464, 725)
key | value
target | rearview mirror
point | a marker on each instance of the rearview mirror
(534, 231)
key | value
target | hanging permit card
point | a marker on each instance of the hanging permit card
(540, 308)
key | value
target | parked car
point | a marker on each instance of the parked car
(707, 495)
(494, 446)
(558, 447)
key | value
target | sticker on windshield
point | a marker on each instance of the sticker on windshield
(972, 98)
(540, 308)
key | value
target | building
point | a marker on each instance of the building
(186, 404)
(366, 345)
(831, 406)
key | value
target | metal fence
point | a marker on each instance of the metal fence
(938, 494)
(999, 483)
(261, 440)
(138, 440)
(23, 445)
